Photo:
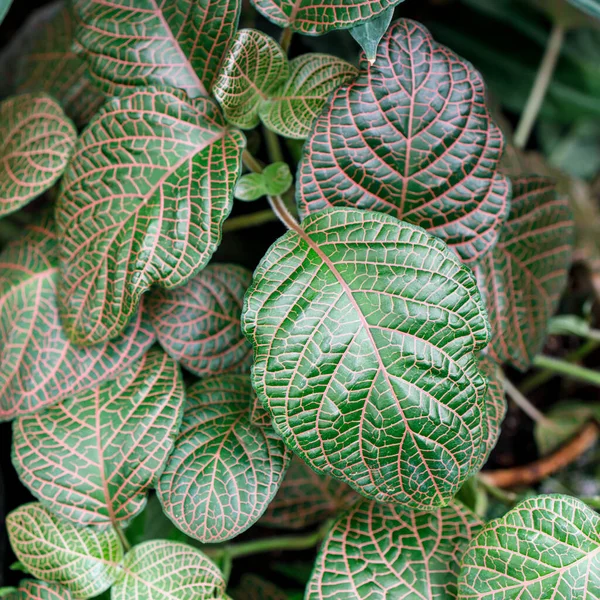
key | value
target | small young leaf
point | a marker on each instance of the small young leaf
(278, 178)
(84, 560)
(369, 34)
(428, 152)
(142, 203)
(39, 366)
(198, 324)
(254, 67)
(250, 187)
(37, 142)
(292, 109)
(39, 590)
(155, 42)
(495, 403)
(408, 555)
(160, 570)
(224, 470)
(365, 332)
(523, 277)
(103, 448)
(545, 547)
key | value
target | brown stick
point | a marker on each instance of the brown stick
(541, 468)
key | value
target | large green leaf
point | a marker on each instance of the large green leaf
(92, 458)
(523, 277)
(39, 590)
(198, 324)
(253, 69)
(39, 366)
(546, 547)
(407, 555)
(84, 560)
(291, 110)
(411, 137)
(224, 470)
(142, 203)
(365, 332)
(315, 17)
(37, 142)
(155, 42)
(161, 570)
(591, 7)
(495, 405)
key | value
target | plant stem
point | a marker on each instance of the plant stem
(226, 564)
(124, 541)
(250, 220)
(286, 39)
(273, 145)
(499, 494)
(251, 163)
(521, 401)
(557, 365)
(540, 86)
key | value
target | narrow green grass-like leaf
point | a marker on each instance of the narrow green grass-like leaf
(39, 590)
(366, 332)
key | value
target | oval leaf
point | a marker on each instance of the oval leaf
(365, 331)
(39, 590)
(92, 458)
(424, 147)
(250, 187)
(278, 178)
(37, 142)
(198, 324)
(84, 560)
(155, 42)
(546, 547)
(495, 403)
(39, 366)
(254, 67)
(292, 109)
(409, 555)
(161, 570)
(523, 277)
(224, 470)
(142, 202)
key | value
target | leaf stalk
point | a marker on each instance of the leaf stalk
(567, 369)
(525, 405)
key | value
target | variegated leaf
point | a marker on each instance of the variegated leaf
(155, 42)
(366, 332)
(39, 590)
(380, 551)
(495, 405)
(92, 458)
(142, 203)
(291, 110)
(39, 366)
(198, 324)
(37, 142)
(224, 470)
(85, 560)
(411, 137)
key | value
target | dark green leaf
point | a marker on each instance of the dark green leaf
(278, 178)
(250, 187)
(495, 402)
(4, 7)
(38, 590)
(369, 34)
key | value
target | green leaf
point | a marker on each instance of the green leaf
(104, 447)
(250, 187)
(224, 470)
(198, 324)
(38, 590)
(523, 277)
(39, 366)
(252, 587)
(278, 178)
(369, 34)
(380, 551)
(423, 145)
(37, 142)
(152, 42)
(292, 109)
(142, 203)
(315, 17)
(306, 498)
(590, 7)
(254, 68)
(84, 560)
(495, 403)
(545, 547)
(161, 570)
(365, 332)
(4, 7)
(40, 58)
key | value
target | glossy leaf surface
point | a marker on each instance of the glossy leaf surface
(545, 547)
(84, 560)
(39, 590)
(365, 331)
(523, 277)
(224, 470)
(142, 203)
(161, 570)
(155, 42)
(37, 142)
(495, 402)
(292, 109)
(590, 7)
(411, 137)
(39, 365)
(250, 187)
(369, 34)
(92, 458)
(409, 555)
(199, 324)
(278, 178)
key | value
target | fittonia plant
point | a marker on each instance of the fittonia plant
(365, 350)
